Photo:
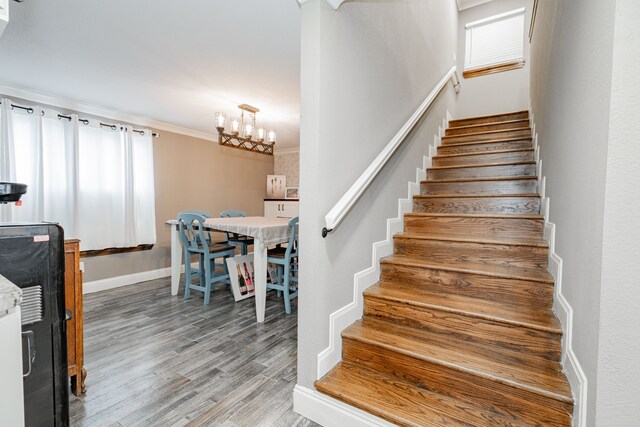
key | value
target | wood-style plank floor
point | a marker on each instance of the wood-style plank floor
(156, 360)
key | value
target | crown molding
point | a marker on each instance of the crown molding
(292, 150)
(70, 104)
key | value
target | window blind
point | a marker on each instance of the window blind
(495, 40)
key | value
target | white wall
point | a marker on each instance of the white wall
(619, 344)
(586, 100)
(570, 89)
(365, 69)
(494, 93)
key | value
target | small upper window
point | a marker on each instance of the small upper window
(495, 41)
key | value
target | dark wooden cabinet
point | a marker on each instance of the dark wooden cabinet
(73, 304)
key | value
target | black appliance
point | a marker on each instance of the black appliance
(32, 257)
(11, 191)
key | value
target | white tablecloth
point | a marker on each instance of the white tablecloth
(269, 231)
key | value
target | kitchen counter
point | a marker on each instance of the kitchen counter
(10, 296)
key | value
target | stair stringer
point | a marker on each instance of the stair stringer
(340, 319)
(561, 306)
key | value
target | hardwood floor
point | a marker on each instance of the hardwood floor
(156, 360)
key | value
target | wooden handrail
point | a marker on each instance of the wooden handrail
(346, 202)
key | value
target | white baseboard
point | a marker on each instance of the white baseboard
(329, 412)
(564, 312)
(561, 307)
(127, 279)
(345, 316)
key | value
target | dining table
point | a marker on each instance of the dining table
(266, 231)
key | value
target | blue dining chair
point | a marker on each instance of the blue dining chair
(286, 261)
(196, 241)
(198, 272)
(205, 214)
(236, 239)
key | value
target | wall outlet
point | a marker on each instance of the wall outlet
(82, 267)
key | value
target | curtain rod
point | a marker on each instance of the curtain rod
(30, 110)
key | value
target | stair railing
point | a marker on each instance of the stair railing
(346, 202)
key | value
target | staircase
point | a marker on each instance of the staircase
(459, 331)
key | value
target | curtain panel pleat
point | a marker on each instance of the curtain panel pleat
(98, 183)
(7, 157)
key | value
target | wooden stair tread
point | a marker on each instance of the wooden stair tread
(511, 241)
(488, 124)
(474, 215)
(483, 153)
(488, 116)
(535, 275)
(401, 402)
(459, 195)
(514, 129)
(481, 179)
(489, 132)
(487, 141)
(541, 377)
(481, 165)
(496, 311)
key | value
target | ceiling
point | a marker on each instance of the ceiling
(466, 4)
(175, 62)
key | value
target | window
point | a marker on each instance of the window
(96, 181)
(495, 43)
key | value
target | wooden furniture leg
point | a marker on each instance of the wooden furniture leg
(75, 325)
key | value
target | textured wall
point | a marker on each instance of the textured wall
(619, 344)
(571, 64)
(288, 164)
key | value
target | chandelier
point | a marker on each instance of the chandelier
(243, 132)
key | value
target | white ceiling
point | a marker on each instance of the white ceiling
(466, 4)
(171, 61)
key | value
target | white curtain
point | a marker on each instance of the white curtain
(96, 181)
(7, 157)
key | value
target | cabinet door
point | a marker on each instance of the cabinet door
(271, 209)
(289, 209)
(279, 209)
(71, 260)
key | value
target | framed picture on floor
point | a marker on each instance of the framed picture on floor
(272, 273)
(242, 276)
